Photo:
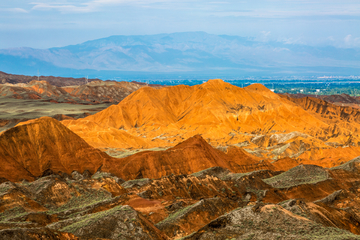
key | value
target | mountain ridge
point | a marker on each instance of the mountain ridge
(183, 52)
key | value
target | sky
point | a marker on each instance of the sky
(56, 23)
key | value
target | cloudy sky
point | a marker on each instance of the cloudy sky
(55, 23)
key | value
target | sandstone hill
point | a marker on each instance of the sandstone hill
(253, 117)
(43, 145)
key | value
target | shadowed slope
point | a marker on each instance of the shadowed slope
(30, 149)
(190, 156)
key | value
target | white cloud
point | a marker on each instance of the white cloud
(263, 13)
(14, 10)
(350, 41)
(292, 41)
(90, 6)
(61, 7)
(331, 38)
(278, 49)
(264, 36)
(347, 39)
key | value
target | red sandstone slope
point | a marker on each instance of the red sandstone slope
(28, 150)
(190, 156)
(238, 154)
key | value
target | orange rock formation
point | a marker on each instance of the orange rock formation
(26, 151)
(224, 115)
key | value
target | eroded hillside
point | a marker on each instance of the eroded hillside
(306, 202)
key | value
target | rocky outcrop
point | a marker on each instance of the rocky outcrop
(196, 206)
(302, 174)
(187, 186)
(269, 222)
(28, 150)
(35, 234)
(118, 222)
(190, 218)
(327, 109)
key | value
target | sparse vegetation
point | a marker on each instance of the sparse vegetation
(90, 219)
(348, 166)
(302, 174)
(4, 189)
(84, 200)
(191, 234)
(131, 183)
(174, 216)
(99, 175)
(12, 213)
(197, 174)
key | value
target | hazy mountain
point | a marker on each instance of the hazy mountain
(182, 52)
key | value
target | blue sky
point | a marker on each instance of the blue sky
(55, 23)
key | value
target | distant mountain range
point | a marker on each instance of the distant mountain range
(189, 53)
